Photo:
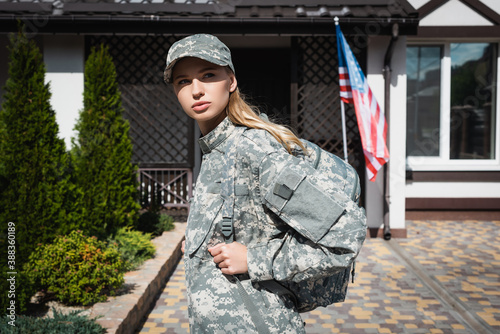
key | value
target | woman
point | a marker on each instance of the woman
(203, 77)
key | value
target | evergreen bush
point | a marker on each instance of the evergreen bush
(35, 192)
(154, 223)
(166, 223)
(147, 222)
(135, 247)
(60, 324)
(102, 151)
(78, 269)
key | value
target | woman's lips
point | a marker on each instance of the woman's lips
(201, 105)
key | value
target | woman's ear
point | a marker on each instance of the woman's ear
(233, 83)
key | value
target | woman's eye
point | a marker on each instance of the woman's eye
(208, 75)
(182, 82)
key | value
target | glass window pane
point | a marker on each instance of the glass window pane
(423, 70)
(472, 131)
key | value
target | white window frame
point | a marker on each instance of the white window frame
(443, 162)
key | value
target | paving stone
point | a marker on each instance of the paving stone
(462, 257)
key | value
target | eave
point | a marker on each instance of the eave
(155, 24)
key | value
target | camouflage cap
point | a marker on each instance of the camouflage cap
(202, 46)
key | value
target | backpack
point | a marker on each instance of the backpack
(340, 178)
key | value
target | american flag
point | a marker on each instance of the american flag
(371, 120)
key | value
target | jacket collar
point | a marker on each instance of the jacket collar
(217, 136)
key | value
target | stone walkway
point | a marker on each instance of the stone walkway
(444, 278)
(122, 314)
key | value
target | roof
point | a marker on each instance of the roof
(223, 16)
(460, 26)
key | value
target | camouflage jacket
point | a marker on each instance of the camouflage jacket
(215, 306)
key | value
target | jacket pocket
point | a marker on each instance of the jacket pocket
(203, 213)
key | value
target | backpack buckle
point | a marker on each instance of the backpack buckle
(227, 229)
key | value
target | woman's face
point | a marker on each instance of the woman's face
(203, 89)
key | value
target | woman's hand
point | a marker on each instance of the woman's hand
(231, 258)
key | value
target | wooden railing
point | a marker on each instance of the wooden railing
(165, 187)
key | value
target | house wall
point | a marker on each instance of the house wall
(493, 4)
(64, 57)
(441, 16)
(375, 190)
(397, 134)
(459, 185)
(418, 3)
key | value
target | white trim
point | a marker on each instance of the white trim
(444, 132)
(430, 164)
(414, 41)
(452, 189)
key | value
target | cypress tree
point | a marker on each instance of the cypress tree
(103, 151)
(34, 184)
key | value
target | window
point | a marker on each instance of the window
(471, 136)
(423, 70)
(451, 106)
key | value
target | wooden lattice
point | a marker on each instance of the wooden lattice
(318, 116)
(165, 187)
(162, 134)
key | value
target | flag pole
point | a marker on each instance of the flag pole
(344, 135)
(342, 109)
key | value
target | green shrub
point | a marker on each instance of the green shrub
(154, 223)
(166, 223)
(70, 323)
(135, 247)
(102, 152)
(147, 222)
(78, 269)
(35, 189)
(22, 292)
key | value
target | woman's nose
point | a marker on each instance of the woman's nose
(197, 88)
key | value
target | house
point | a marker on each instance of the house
(442, 111)
(452, 139)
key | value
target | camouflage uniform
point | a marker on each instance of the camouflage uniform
(273, 251)
(274, 191)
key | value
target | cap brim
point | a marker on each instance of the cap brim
(169, 69)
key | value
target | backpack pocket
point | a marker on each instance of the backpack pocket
(303, 206)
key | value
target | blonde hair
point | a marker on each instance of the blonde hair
(242, 113)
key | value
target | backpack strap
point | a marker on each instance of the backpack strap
(227, 226)
(316, 149)
(255, 314)
(341, 163)
(279, 290)
(227, 187)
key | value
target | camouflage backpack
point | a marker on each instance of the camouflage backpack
(341, 178)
